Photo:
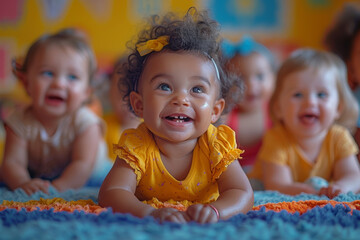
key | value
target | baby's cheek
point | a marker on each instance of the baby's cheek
(204, 105)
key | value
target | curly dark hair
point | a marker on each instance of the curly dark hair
(196, 32)
(340, 37)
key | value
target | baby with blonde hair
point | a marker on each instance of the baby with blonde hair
(313, 112)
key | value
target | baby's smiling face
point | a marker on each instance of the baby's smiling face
(308, 103)
(57, 81)
(178, 95)
(256, 72)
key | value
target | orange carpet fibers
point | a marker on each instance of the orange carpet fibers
(303, 206)
(88, 206)
(57, 204)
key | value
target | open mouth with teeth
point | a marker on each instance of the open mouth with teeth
(308, 118)
(178, 118)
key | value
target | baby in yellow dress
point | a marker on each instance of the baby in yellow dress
(176, 83)
(312, 110)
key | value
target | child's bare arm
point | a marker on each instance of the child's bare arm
(235, 196)
(84, 155)
(278, 178)
(118, 191)
(347, 175)
(14, 167)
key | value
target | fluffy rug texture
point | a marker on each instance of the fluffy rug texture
(74, 214)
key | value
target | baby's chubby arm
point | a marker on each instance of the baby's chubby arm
(278, 177)
(346, 177)
(14, 167)
(235, 196)
(84, 154)
(118, 192)
(118, 189)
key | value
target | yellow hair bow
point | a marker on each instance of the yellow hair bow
(152, 45)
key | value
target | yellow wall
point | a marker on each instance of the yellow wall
(111, 23)
(312, 21)
(108, 31)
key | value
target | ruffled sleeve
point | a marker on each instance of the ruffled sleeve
(223, 149)
(132, 148)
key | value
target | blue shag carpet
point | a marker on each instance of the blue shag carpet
(328, 222)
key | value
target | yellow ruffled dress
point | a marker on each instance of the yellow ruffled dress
(214, 151)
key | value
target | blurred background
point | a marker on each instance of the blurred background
(281, 25)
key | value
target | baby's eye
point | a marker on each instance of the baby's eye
(47, 74)
(72, 77)
(322, 94)
(164, 87)
(297, 95)
(198, 89)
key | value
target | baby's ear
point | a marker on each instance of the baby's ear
(16, 65)
(217, 109)
(21, 76)
(136, 102)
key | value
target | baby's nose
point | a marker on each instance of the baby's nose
(180, 98)
(252, 86)
(59, 81)
(311, 99)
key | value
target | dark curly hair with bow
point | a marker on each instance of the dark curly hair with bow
(196, 33)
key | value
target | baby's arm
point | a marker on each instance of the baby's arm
(279, 178)
(14, 168)
(83, 160)
(118, 192)
(346, 178)
(235, 196)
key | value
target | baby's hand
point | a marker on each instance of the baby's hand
(170, 215)
(202, 213)
(331, 191)
(34, 185)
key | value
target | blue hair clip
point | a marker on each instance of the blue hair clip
(244, 47)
